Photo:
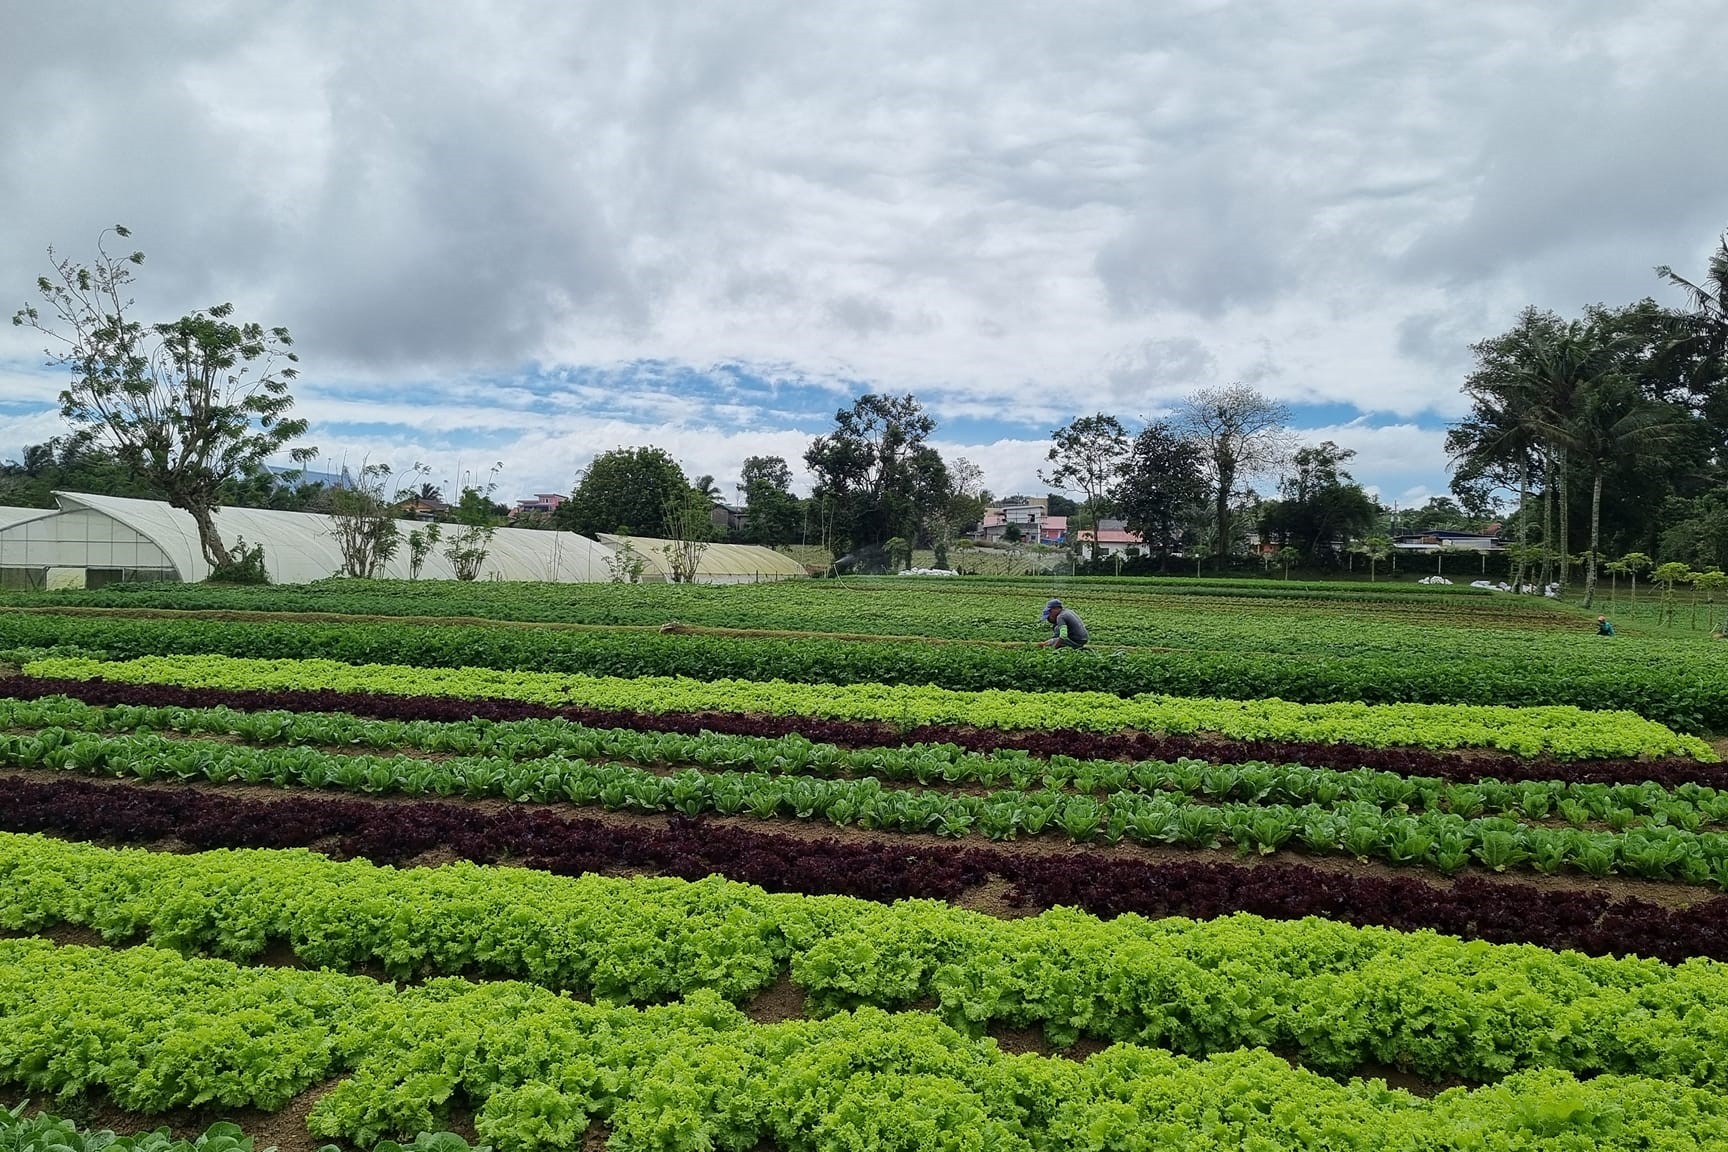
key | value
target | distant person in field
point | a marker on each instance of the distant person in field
(1603, 627)
(1063, 620)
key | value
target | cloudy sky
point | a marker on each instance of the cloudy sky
(528, 232)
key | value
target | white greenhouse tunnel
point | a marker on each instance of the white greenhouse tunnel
(94, 540)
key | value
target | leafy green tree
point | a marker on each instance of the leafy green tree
(1531, 380)
(899, 551)
(1087, 455)
(689, 528)
(421, 542)
(876, 477)
(1615, 423)
(626, 490)
(1321, 503)
(1439, 514)
(773, 511)
(363, 524)
(1615, 570)
(1563, 369)
(1376, 548)
(62, 466)
(962, 512)
(1161, 486)
(1713, 583)
(1696, 529)
(1668, 575)
(1241, 434)
(190, 405)
(1057, 504)
(475, 519)
(1634, 563)
(1287, 556)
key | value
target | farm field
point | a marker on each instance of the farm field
(850, 865)
(1230, 638)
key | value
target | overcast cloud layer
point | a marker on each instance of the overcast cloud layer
(528, 231)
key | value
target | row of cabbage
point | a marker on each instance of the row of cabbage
(156, 1030)
(1558, 731)
(55, 720)
(1651, 680)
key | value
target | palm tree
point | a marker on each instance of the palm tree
(1498, 442)
(1563, 369)
(1495, 442)
(1709, 299)
(705, 487)
(429, 493)
(1610, 421)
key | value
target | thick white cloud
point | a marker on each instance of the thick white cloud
(1035, 210)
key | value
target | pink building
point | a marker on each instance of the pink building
(543, 502)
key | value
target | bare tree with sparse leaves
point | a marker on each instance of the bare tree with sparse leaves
(189, 405)
(1241, 434)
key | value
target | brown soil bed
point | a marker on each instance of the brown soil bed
(284, 1129)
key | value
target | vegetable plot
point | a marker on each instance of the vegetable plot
(700, 1075)
(1593, 921)
(1678, 683)
(1338, 995)
(1620, 806)
(1557, 731)
(1648, 846)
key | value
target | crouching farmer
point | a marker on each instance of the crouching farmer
(1066, 630)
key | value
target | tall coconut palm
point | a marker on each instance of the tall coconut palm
(1550, 386)
(1610, 421)
(1706, 328)
(1496, 443)
(1709, 299)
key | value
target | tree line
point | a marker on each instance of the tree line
(1606, 431)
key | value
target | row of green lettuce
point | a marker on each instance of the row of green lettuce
(1686, 690)
(1689, 806)
(1652, 849)
(1558, 731)
(156, 1031)
(25, 1130)
(1336, 995)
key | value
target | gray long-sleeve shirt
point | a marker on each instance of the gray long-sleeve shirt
(1067, 619)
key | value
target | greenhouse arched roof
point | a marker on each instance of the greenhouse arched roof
(719, 563)
(300, 547)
